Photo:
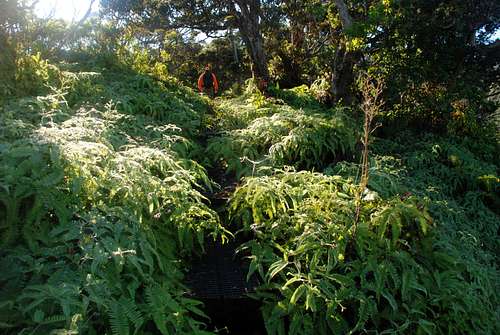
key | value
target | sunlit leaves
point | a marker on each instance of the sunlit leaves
(383, 278)
(98, 205)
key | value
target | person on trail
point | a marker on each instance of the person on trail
(207, 82)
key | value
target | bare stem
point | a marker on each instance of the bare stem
(371, 105)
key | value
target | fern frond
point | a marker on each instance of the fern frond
(118, 319)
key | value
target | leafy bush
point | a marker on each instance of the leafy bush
(452, 167)
(97, 208)
(287, 137)
(321, 89)
(391, 274)
(299, 97)
(101, 205)
(33, 74)
(238, 112)
(110, 274)
(142, 95)
(139, 94)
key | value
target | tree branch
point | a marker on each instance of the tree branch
(89, 10)
(345, 17)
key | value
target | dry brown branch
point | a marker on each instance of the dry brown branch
(372, 104)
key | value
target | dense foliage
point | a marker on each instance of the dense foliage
(390, 274)
(422, 259)
(99, 203)
(420, 250)
(108, 161)
(282, 135)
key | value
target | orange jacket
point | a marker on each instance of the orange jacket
(214, 81)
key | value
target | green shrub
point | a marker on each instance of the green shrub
(288, 137)
(393, 275)
(97, 210)
(238, 112)
(34, 74)
(299, 97)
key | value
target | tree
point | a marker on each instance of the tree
(14, 17)
(292, 38)
(208, 16)
(433, 53)
(439, 46)
(248, 16)
(344, 61)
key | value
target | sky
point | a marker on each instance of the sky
(68, 10)
(495, 36)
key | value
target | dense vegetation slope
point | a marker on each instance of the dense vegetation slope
(100, 202)
(421, 259)
(102, 175)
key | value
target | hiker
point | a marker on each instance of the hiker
(207, 82)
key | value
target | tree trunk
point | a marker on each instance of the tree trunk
(343, 75)
(248, 16)
(345, 17)
(235, 47)
(343, 64)
(7, 60)
(294, 58)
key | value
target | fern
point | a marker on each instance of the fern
(312, 138)
(315, 268)
(118, 318)
(132, 312)
(98, 202)
(156, 301)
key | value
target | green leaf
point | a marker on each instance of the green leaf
(390, 298)
(292, 280)
(252, 267)
(38, 316)
(427, 326)
(299, 291)
(276, 268)
(310, 301)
